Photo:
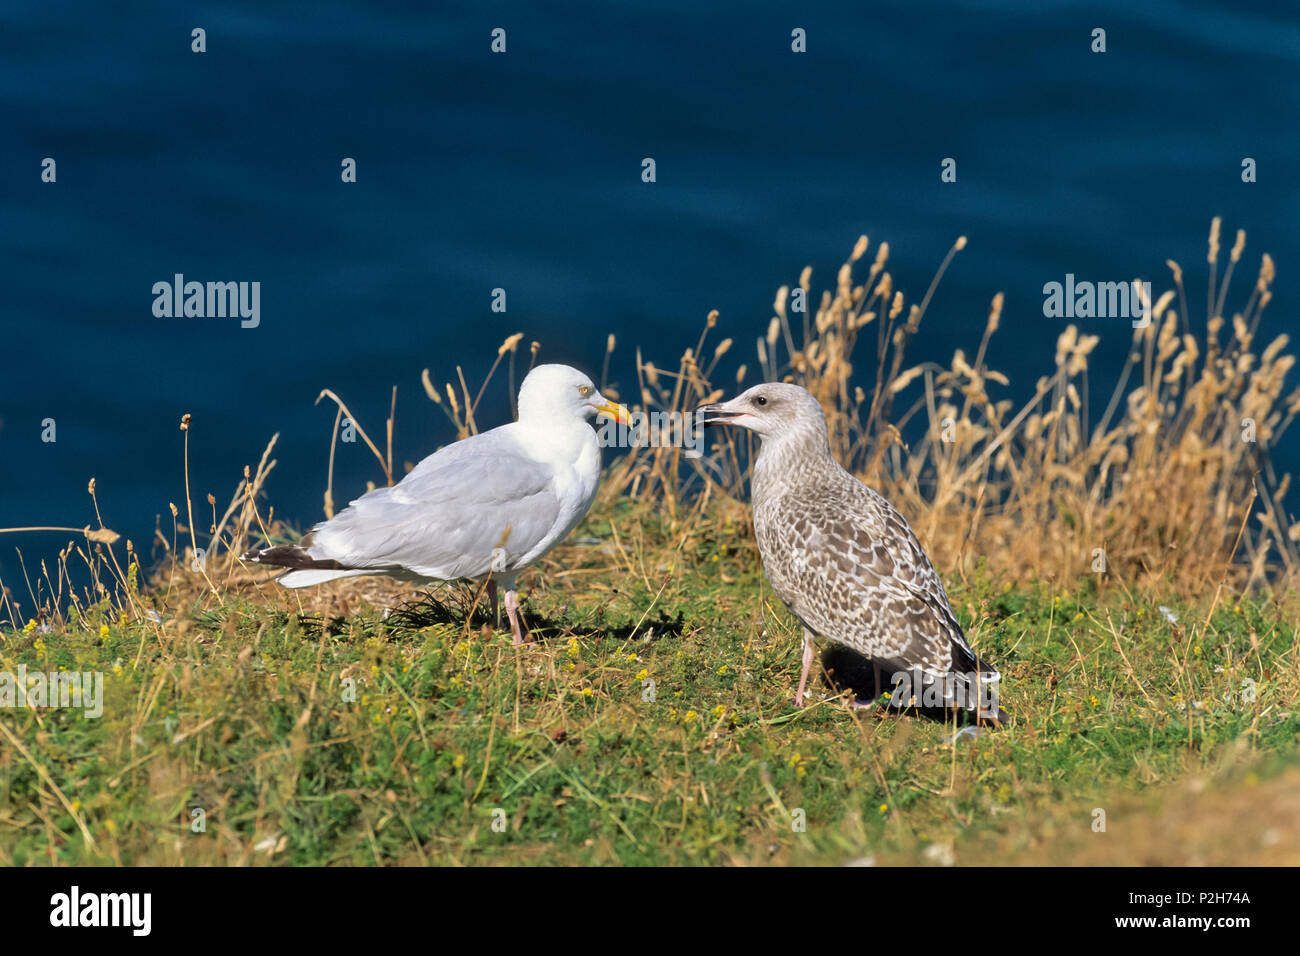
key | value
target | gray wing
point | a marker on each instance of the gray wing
(851, 569)
(477, 505)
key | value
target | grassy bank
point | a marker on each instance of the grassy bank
(1134, 577)
(244, 712)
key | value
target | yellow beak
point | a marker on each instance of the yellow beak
(615, 411)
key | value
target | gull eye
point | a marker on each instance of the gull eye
(584, 390)
(760, 400)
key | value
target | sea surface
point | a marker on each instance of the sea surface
(522, 171)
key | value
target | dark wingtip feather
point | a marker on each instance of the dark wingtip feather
(292, 556)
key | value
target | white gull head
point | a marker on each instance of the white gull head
(557, 393)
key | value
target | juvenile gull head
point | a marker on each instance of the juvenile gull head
(846, 562)
(775, 411)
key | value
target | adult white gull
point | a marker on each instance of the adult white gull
(845, 561)
(492, 503)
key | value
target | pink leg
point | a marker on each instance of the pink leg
(807, 666)
(517, 629)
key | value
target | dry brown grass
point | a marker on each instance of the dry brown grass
(1165, 482)
(1239, 819)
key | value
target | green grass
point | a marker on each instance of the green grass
(238, 708)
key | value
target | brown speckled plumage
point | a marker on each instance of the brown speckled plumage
(837, 553)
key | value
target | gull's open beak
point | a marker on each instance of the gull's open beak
(718, 414)
(618, 412)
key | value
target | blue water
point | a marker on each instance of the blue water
(522, 171)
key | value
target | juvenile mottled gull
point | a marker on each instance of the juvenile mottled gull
(845, 561)
(493, 502)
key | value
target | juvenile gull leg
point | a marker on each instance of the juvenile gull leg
(877, 687)
(807, 665)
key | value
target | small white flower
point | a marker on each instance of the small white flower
(266, 845)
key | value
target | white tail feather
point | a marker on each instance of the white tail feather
(309, 576)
